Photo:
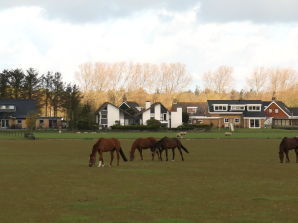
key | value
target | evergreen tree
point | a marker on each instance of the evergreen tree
(16, 81)
(4, 84)
(31, 84)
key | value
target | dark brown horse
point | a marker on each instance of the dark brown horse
(170, 143)
(143, 143)
(106, 145)
(286, 145)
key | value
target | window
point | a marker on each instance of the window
(220, 107)
(41, 121)
(254, 123)
(254, 108)
(11, 107)
(276, 111)
(164, 117)
(226, 120)
(191, 110)
(237, 107)
(3, 107)
(237, 120)
(19, 121)
(270, 110)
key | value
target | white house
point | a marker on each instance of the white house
(130, 113)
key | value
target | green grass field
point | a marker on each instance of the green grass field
(233, 181)
(213, 134)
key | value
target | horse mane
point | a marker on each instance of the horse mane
(94, 148)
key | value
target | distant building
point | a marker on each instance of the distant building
(13, 113)
(130, 113)
(280, 115)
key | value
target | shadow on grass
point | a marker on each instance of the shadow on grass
(275, 199)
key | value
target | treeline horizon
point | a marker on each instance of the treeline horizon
(167, 83)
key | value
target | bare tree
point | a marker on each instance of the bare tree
(282, 79)
(258, 79)
(219, 80)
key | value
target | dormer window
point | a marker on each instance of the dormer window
(191, 110)
(254, 108)
(220, 107)
(237, 107)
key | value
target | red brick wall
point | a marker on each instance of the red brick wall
(280, 114)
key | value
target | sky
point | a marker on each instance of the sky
(59, 35)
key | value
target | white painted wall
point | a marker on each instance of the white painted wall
(113, 115)
(121, 117)
(176, 118)
(157, 108)
(146, 116)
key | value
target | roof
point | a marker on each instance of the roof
(235, 102)
(202, 107)
(23, 107)
(152, 106)
(294, 111)
(132, 104)
(245, 113)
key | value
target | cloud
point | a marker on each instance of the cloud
(83, 11)
(31, 40)
(218, 11)
(259, 11)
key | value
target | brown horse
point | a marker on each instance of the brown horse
(106, 145)
(286, 145)
(140, 144)
(170, 143)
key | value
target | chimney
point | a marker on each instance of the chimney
(147, 104)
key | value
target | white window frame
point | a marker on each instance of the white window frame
(276, 111)
(195, 108)
(220, 105)
(226, 120)
(237, 120)
(254, 105)
(270, 110)
(237, 107)
(253, 127)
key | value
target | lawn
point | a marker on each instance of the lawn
(235, 180)
(213, 134)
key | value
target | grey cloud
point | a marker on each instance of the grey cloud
(264, 11)
(259, 11)
(97, 10)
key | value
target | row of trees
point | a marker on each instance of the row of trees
(54, 97)
(166, 83)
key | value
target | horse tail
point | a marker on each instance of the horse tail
(184, 148)
(122, 155)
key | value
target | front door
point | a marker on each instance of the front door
(4, 123)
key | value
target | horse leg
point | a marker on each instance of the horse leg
(173, 152)
(296, 151)
(166, 154)
(287, 156)
(112, 158)
(181, 153)
(118, 157)
(100, 164)
(141, 153)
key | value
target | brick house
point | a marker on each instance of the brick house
(13, 113)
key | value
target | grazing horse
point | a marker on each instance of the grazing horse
(170, 143)
(143, 143)
(286, 145)
(106, 145)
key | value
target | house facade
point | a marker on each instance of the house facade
(13, 113)
(280, 115)
(130, 113)
(197, 111)
(237, 113)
